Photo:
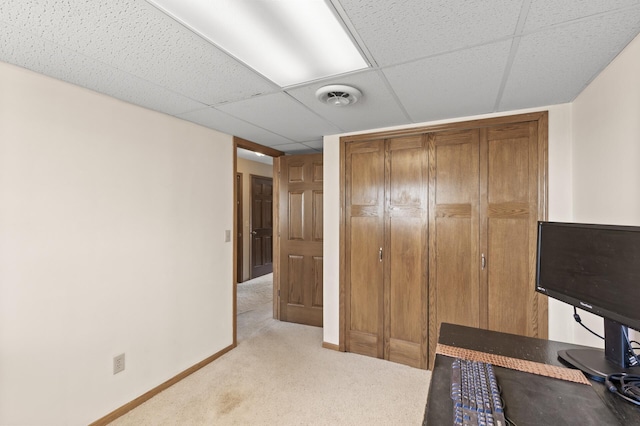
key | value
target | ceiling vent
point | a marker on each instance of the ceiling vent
(338, 95)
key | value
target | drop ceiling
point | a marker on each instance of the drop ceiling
(428, 60)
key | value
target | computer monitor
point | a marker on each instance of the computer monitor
(595, 268)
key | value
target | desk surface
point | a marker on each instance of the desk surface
(529, 399)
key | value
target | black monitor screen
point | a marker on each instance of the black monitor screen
(594, 267)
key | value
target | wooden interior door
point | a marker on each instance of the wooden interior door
(301, 239)
(405, 266)
(454, 233)
(364, 241)
(261, 226)
(511, 221)
(239, 229)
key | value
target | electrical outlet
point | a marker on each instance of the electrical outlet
(118, 364)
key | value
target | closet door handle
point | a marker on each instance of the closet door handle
(484, 262)
(380, 254)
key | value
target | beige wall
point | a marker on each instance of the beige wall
(112, 221)
(248, 168)
(606, 147)
(607, 143)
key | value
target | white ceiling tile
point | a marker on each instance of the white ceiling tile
(399, 31)
(452, 85)
(435, 59)
(296, 148)
(543, 13)
(553, 66)
(376, 108)
(315, 144)
(282, 115)
(137, 38)
(214, 119)
(47, 58)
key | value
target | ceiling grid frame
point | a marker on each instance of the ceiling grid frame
(132, 51)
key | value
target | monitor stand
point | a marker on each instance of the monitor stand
(593, 363)
(597, 364)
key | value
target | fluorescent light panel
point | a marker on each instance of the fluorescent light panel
(287, 41)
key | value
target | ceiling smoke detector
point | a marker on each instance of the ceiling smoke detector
(338, 95)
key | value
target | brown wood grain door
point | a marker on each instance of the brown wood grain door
(487, 188)
(301, 239)
(484, 192)
(239, 227)
(386, 267)
(511, 215)
(261, 226)
(364, 232)
(405, 277)
(454, 231)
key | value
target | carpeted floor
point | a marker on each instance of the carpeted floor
(254, 293)
(280, 375)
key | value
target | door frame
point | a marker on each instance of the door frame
(541, 117)
(251, 146)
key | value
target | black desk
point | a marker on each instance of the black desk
(529, 399)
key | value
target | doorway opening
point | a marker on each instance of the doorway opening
(254, 214)
(254, 294)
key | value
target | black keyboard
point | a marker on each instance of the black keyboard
(475, 394)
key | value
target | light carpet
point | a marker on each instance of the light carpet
(280, 375)
(254, 293)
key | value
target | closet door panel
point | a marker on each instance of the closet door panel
(364, 196)
(366, 182)
(366, 288)
(512, 214)
(508, 156)
(453, 231)
(456, 168)
(406, 244)
(507, 313)
(406, 274)
(407, 171)
(456, 300)
(405, 308)
(366, 276)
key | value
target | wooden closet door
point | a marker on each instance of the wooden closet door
(405, 313)
(511, 210)
(454, 220)
(487, 188)
(364, 229)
